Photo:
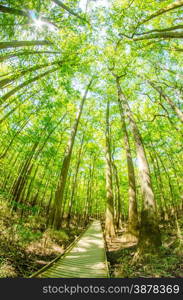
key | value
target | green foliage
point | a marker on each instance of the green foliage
(166, 264)
(57, 235)
(37, 119)
(26, 235)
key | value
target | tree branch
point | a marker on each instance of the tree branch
(69, 10)
(23, 13)
(164, 35)
(164, 10)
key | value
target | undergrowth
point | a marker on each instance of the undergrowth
(168, 263)
(26, 245)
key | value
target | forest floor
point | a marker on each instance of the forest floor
(25, 245)
(168, 263)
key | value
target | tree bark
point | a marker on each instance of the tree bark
(12, 78)
(19, 183)
(149, 237)
(15, 108)
(74, 185)
(66, 163)
(69, 10)
(15, 44)
(109, 215)
(119, 208)
(5, 151)
(18, 12)
(17, 54)
(161, 30)
(164, 35)
(133, 224)
(164, 10)
(26, 83)
(13, 11)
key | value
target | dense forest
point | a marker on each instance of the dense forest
(91, 128)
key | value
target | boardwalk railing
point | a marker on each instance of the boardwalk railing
(84, 258)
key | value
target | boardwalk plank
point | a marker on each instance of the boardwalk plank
(87, 259)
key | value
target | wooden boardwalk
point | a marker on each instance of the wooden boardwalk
(86, 259)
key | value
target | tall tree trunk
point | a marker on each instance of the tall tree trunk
(30, 184)
(133, 224)
(164, 35)
(150, 237)
(68, 9)
(22, 180)
(161, 30)
(119, 216)
(15, 44)
(48, 209)
(18, 12)
(66, 163)
(12, 162)
(174, 212)
(16, 107)
(109, 217)
(174, 5)
(5, 151)
(21, 73)
(160, 186)
(26, 83)
(24, 171)
(17, 54)
(74, 185)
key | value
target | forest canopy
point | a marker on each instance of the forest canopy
(91, 113)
